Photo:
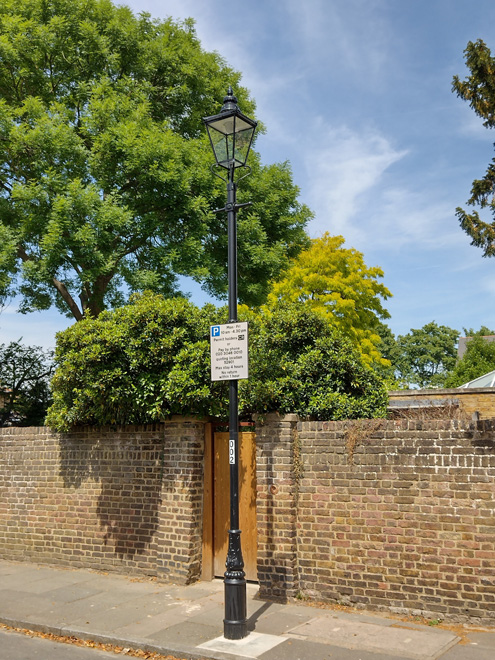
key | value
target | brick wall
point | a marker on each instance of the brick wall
(388, 515)
(391, 515)
(276, 456)
(124, 499)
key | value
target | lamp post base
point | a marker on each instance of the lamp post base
(235, 622)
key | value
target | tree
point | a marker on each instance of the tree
(105, 181)
(478, 360)
(24, 384)
(392, 355)
(150, 359)
(479, 90)
(335, 281)
(427, 355)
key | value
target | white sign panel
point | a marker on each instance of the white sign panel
(229, 351)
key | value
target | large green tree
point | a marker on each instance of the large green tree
(105, 181)
(25, 373)
(478, 89)
(426, 355)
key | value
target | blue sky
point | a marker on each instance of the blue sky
(356, 94)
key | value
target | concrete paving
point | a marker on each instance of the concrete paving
(187, 622)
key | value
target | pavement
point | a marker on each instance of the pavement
(187, 621)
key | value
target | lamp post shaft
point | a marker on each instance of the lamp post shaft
(232, 245)
(235, 622)
(231, 134)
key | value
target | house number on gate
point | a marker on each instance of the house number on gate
(232, 452)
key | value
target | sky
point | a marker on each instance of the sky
(357, 95)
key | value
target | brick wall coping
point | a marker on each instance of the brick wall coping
(96, 430)
(456, 391)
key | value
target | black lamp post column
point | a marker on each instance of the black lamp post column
(231, 134)
(235, 622)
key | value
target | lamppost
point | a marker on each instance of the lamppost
(231, 134)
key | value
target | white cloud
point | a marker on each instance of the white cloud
(342, 170)
(409, 217)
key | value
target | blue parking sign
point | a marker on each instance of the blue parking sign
(215, 331)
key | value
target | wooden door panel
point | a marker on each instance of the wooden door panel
(247, 502)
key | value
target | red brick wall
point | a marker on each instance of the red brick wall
(124, 499)
(276, 506)
(390, 515)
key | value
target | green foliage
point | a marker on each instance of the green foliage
(105, 181)
(24, 384)
(269, 234)
(484, 331)
(336, 282)
(137, 364)
(392, 357)
(478, 360)
(150, 359)
(479, 90)
(300, 364)
(427, 355)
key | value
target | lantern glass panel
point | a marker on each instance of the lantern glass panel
(221, 146)
(231, 148)
(242, 145)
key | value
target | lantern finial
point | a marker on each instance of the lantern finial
(229, 101)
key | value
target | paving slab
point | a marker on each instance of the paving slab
(34, 583)
(20, 604)
(149, 625)
(407, 642)
(475, 646)
(306, 650)
(70, 593)
(186, 635)
(112, 619)
(279, 623)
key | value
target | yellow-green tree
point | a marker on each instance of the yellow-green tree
(335, 281)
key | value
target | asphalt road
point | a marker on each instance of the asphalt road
(16, 646)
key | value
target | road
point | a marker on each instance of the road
(16, 646)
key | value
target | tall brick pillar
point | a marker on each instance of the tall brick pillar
(180, 532)
(277, 469)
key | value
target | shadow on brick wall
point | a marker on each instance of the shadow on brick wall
(122, 479)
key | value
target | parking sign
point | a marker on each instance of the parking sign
(229, 351)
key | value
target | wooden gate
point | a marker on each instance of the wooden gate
(216, 518)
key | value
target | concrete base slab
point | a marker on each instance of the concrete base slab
(252, 646)
(406, 642)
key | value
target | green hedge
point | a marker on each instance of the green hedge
(151, 359)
